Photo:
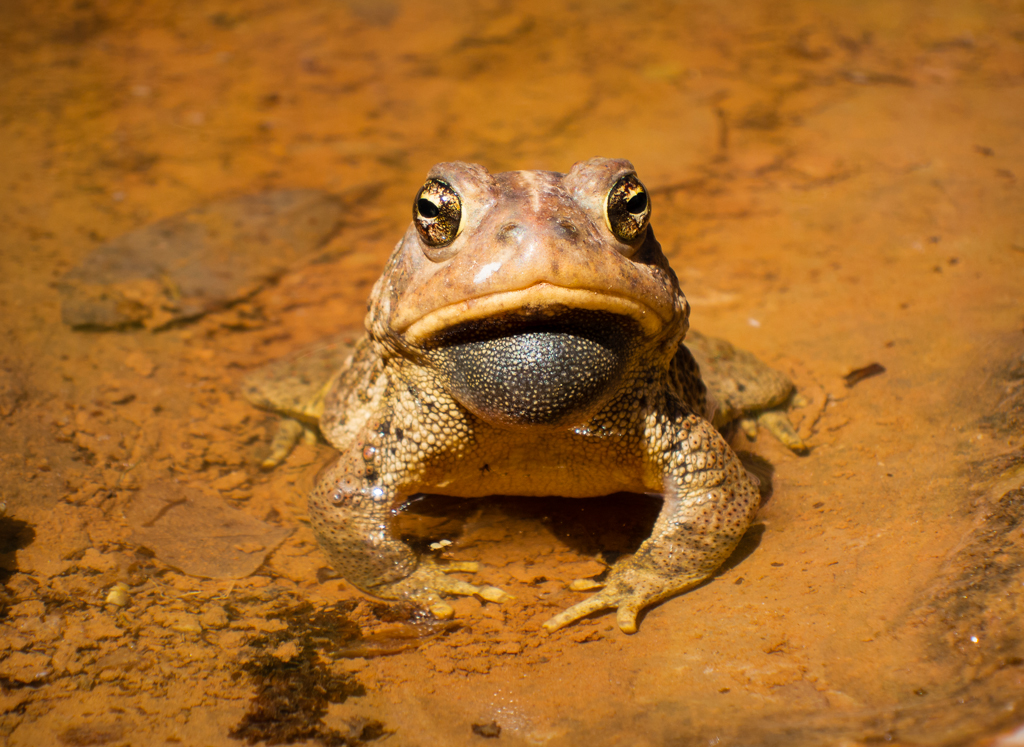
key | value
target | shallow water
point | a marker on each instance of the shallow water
(835, 186)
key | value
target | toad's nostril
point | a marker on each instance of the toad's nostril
(509, 231)
(567, 229)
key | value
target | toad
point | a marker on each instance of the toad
(527, 338)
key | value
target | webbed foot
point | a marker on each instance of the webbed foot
(776, 422)
(744, 388)
(629, 588)
(429, 581)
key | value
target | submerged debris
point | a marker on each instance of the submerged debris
(489, 731)
(858, 375)
(291, 702)
(292, 695)
(292, 692)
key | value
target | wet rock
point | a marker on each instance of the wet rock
(214, 618)
(60, 536)
(99, 626)
(66, 658)
(231, 480)
(182, 622)
(118, 595)
(26, 668)
(140, 363)
(200, 536)
(189, 264)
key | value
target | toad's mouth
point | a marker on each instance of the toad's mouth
(537, 298)
(536, 366)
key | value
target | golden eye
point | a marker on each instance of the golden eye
(437, 213)
(628, 208)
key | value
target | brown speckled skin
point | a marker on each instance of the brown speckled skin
(399, 431)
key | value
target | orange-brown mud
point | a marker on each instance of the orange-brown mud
(836, 185)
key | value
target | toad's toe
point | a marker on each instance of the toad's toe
(629, 589)
(778, 424)
(429, 581)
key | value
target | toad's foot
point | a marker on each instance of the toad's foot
(742, 387)
(426, 584)
(776, 422)
(630, 587)
(288, 434)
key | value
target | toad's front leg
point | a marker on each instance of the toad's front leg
(709, 501)
(352, 516)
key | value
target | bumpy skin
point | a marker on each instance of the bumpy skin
(536, 277)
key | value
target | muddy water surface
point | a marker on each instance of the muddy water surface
(835, 186)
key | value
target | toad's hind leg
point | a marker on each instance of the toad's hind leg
(294, 387)
(745, 389)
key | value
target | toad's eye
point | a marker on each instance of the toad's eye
(628, 209)
(437, 213)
